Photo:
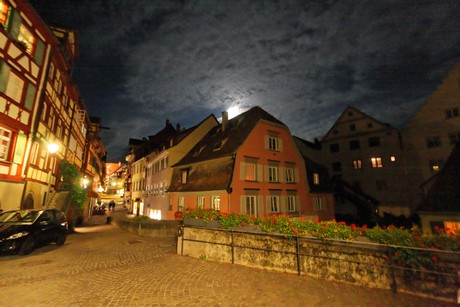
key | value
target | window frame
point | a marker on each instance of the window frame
(376, 162)
(275, 205)
(6, 140)
(273, 174)
(215, 202)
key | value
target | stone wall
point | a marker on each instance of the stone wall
(359, 263)
(164, 229)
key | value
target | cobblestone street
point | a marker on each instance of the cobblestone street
(103, 265)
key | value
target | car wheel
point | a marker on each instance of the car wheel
(27, 246)
(61, 239)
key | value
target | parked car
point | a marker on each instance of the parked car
(23, 230)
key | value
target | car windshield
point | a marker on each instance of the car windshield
(19, 216)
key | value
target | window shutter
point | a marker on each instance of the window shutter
(4, 75)
(267, 146)
(280, 144)
(30, 95)
(283, 208)
(242, 204)
(266, 173)
(242, 170)
(267, 205)
(260, 210)
(260, 172)
(39, 51)
(15, 23)
(20, 148)
(281, 174)
(296, 175)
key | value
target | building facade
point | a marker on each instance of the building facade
(249, 164)
(43, 119)
(432, 133)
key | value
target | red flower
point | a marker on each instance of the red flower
(396, 254)
(244, 224)
(295, 231)
(316, 221)
(434, 258)
(273, 222)
(353, 226)
(364, 227)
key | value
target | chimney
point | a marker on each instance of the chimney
(224, 120)
(167, 122)
(177, 127)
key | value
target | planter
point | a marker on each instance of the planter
(201, 223)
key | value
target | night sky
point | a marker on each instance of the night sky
(144, 61)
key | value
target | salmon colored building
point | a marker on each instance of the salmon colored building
(249, 164)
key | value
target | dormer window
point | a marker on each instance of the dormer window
(184, 176)
(315, 178)
(273, 143)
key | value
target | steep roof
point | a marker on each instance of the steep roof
(224, 142)
(444, 195)
(210, 163)
(352, 113)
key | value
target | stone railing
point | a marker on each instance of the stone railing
(357, 262)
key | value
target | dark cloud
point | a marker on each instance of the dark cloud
(303, 61)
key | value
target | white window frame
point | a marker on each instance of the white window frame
(250, 171)
(200, 202)
(5, 143)
(290, 175)
(273, 143)
(250, 204)
(275, 203)
(291, 203)
(215, 203)
(183, 176)
(273, 174)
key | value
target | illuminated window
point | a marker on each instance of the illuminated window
(357, 164)
(5, 141)
(315, 178)
(376, 162)
(393, 159)
(26, 37)
(3, 13)
(289, 174)
(451, 226)
(319, 204)
(273, 174)
(274, 204)
(291, 203)
(250, 171)
(435, 165)
(250, 204)
(200, 202)
(215, 202)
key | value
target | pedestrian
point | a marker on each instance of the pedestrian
(112, 205)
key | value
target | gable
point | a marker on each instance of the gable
(352, 122)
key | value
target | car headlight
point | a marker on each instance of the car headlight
(17, 235)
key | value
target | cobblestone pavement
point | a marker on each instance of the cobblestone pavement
(103, 265)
